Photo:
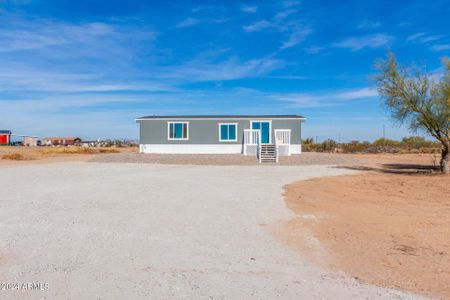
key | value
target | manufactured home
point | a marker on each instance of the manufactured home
(61, 141)
(264, 136)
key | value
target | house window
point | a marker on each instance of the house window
(178, 130)
(228, 132)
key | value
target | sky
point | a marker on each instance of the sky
(90, 68)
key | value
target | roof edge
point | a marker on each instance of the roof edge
(200, 117)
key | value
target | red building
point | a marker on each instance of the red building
(5, 137)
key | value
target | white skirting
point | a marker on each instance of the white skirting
(296, 149)
(191, 148)
(202, 149)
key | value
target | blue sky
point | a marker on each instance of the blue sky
(89, 68)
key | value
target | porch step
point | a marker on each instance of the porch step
(268, 154)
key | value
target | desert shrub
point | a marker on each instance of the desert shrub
(308, 145)
(328, 145)
(383, 142)
(418, 142)
(68, 150)
(13, 156)
(355, 147)
(108, 150)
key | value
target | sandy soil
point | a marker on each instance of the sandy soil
(389, 226)
(149, 231)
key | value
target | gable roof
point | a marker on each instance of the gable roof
(5, 132)
(223, 117)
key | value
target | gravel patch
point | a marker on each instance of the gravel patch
(307, 158)
(148, 231)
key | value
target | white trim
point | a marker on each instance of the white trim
(270, 128)
(177, 139)
(191, 148)
(236, 133)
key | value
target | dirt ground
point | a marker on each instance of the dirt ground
(43, 155)
(388, 226)
(152, 231)
(307, 158)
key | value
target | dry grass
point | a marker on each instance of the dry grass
(14, 156)
(55, 153)
(68, 150)
(78, 150)
(108, 150)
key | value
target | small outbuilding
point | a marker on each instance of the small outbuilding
(30, 141)
(5, 137)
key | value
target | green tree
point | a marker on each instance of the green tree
(413, 98)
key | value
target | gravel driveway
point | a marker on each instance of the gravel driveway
(143, 231)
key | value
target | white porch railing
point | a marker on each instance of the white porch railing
(252, 138)
(283, 142)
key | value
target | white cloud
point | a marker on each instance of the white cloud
(251, 9)
(39, 34)
(440, 47)
(326, 99)
(368, 25)
(296, 37)
(290, 3)
(367, 41)
(423, 38)
(284, 14)
(233, 68)
(187, 23)
(313, 49)
(258, 26)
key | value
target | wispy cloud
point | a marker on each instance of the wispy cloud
(313, 49)
(34, 35)
(296, 37)
(284, 14)
(367, 41)
(440, 47)
(251, 9)
(258, 26)
(204, 70)
(29, 80)
(290, 3)
(326, 99)
(423, 38)
(283, 21)
(187, 23)
(368, 25)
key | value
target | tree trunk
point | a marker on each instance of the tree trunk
(445, 159)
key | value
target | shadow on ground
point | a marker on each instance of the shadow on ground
(397, 168)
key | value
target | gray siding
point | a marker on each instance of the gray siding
(206, 131)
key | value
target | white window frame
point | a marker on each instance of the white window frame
(270, 127)
(228, 141)
(177, 139)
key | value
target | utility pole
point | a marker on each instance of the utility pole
(384, 132)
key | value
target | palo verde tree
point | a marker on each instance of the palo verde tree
(416, 99)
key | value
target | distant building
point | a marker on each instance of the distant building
(61, 141)
(5, 137)
(30, 141)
